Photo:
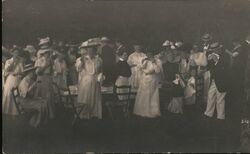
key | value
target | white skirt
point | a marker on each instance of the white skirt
(90, 94)
(8, 104)
(147, 103)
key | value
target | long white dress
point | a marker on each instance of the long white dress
(90, 89)
(147, 103)
(12, 81)
(135, 59)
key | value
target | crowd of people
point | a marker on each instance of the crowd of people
(99, 62)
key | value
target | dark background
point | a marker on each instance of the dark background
(151, 21)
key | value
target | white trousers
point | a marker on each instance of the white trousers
(215, 99)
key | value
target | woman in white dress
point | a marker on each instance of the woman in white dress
(89, 85)
(134, 61)
(147, 103)
(13, 69)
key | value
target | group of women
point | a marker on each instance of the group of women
(145, 72)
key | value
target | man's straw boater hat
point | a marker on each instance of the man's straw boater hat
(215, 46)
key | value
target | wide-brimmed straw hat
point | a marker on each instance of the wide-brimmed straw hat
(88, 44)
(105, 39)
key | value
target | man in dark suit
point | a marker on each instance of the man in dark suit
(206, 42)
(218, 64)
(240, 81)
(108, 56)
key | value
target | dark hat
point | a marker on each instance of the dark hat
(215, 46)
(206, 37)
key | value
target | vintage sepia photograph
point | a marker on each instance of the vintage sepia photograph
(125, 76)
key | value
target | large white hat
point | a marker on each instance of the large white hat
(104, 38)
(166, 43)
(89, 43)
(43, 41)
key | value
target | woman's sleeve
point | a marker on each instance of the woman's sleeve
(130, 60)
(158, 66)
